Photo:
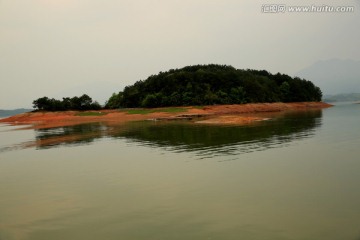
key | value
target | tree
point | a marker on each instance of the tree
(85, 102)
(114, 101)
(75, 103)
(285, 92)
(42, 103)
(150, 101)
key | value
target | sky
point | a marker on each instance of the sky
(60, 48)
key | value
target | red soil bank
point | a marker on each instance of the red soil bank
(237, 112)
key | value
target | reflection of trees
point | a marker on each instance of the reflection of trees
(198, 137)
(190, 136)
(74, 135)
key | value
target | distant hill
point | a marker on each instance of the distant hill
(7, 113)
(214, 84)
(334, 76)
(345, 97)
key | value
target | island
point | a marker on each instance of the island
(210, 94)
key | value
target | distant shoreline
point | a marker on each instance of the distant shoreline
(7, 113)
(217, 114)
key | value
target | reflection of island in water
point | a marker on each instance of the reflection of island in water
(206, 140)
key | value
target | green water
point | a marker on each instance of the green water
(295, 176)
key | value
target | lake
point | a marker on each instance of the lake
(293, 177)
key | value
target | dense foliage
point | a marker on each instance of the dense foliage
(75, 103)
(214, 84)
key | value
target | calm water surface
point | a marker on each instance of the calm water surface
(295, 176)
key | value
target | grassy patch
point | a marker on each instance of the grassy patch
(198, 107)
(172, 110)
(147, 111)
(139, 111)
(86, 114)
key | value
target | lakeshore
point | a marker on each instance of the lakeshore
(216, 114)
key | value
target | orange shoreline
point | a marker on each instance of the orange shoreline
(239, 114)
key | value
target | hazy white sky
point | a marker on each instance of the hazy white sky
(60, 48)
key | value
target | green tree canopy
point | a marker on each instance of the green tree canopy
(214, 84)
(83, 102)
